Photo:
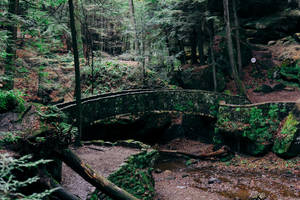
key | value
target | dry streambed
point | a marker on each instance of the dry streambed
(243, 177)
(176, 178)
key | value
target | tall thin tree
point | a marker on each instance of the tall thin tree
(133, 22)
(13, 7)
(77, 19)
(237, 80)
(211, 32)
(77, 72)
(237, 37)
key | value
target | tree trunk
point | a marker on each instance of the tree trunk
(92, 177)
(193, 42)
(182, 56)
(237, 80)
(200, 47)
(237, 37)
(133, 22)
(77, 72)
(77, 19)
(170, 53)
(212, 53)
(13, 7)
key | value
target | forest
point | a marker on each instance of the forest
(150, 99)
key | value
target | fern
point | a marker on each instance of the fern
(10, 185)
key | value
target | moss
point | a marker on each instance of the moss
(135, 176)
(286, 136)
(11, 100)
(251, 123)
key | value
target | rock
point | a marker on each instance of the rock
(257, 196)
(266, 88)
(276, 75)
(196, 77)
(272, 42)
(297, 37)
(278, 87)
(287, 141)
(213, 180)
(167, 172)
(184, 175)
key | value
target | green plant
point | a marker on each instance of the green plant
(285, 138)
(9, 137)
(10, 100)
(10, 185)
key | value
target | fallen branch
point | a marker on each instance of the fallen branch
(88, 174)
(219, 153)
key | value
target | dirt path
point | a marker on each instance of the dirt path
(104, 160)
(242, 178)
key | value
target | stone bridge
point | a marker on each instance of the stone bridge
(232, 113)
(140, 101)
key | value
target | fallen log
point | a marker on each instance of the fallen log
(50, 183)
(88, 174)
(221, 152)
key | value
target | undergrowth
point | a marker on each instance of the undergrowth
(10, 185)
(11, 100)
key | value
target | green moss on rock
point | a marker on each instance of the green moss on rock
(135, 176)
(254, 124)
(286, 136)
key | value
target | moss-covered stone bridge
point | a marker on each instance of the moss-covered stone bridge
(140, 101)
(258, 125)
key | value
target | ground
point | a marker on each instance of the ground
(242, 177)
(178, 178)
(104, 160)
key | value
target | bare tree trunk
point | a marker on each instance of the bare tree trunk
(13, 7)
(200, 47)
(133, 21)
(93, 177)
(212, 53)
(193, 41)
(237, 80)
(77, 18)
(237, 37)
(77, 72)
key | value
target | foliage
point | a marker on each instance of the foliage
(53, 119)
(286, 136)
(135, 176)
(10, 185)
(11, 100)
(9, 138)
(255, 124)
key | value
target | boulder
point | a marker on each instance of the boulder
(272, 27)
(287, 140)
(197, 77)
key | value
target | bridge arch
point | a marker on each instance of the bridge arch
(140, 101)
